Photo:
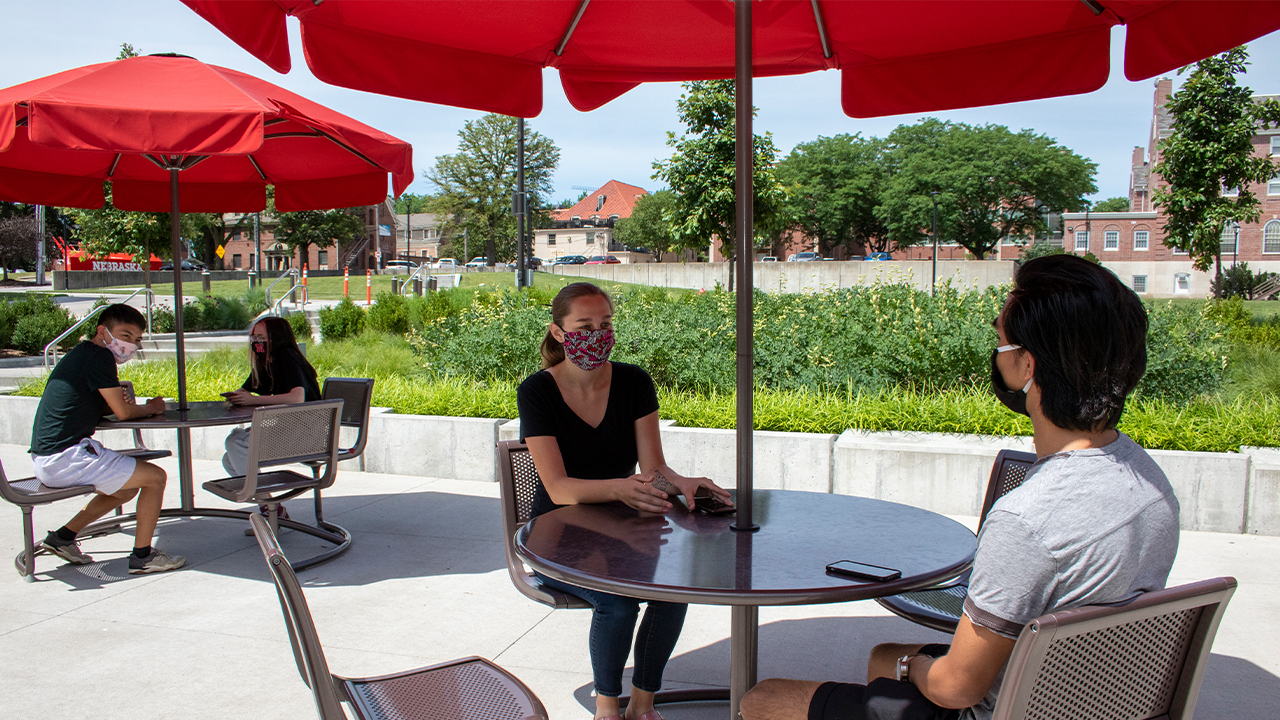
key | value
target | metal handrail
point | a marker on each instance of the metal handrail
(52, 348)
(407, 287)
(274, 310)
(291, 272)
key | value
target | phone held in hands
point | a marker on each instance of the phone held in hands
(707, 504)
(863, 571)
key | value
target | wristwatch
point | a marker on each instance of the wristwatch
(904, 667)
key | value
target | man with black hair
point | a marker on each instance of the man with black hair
(1095, 521)
(81, 389)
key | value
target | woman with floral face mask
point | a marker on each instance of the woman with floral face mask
(588, 422)
(279, 374)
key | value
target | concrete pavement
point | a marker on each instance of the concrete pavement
(425, 581)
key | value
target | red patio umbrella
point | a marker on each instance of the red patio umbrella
(142, 123)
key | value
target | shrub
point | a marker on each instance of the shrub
(33, 332)
(301, 326)
(343, 320)
(389, 313)
(1187, 350)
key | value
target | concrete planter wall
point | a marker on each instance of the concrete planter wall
(1219, 492)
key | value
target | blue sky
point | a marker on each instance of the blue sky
(619, 141)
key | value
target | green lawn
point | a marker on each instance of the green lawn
(1263, 310)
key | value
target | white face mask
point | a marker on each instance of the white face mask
(120, 349)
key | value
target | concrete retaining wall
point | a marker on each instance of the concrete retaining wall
(1219, 492)
(801, 277)
(90, 279)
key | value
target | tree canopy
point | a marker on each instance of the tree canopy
(647, 227)
(834, 185)
(1115, 204)
(410, 203)
(992, 183)
(702, 171)
(475, 184)
(19, 236)
(1211, 149)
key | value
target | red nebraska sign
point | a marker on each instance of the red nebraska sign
(115, 262)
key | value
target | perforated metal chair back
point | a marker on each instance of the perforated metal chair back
(287, 434)
(1143, 660)
(1008, 473)
(517, 483)
(356, 395)
(470, 688)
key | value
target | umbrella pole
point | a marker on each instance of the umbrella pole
(175, 225)
(745, 319)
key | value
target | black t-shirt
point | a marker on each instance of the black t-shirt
(592, 453)
(72, 405)
(287, 373)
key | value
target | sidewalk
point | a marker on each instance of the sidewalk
(425, 581)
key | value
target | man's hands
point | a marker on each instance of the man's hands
(673, 483)
(155, 406)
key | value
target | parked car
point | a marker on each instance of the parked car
(533, 263)
(805, 257)
(768, 258)
(603, 260)
(570, 260)
(400, 266)
(478, 262)
(187, 265)
(446, 264)
(880, 256)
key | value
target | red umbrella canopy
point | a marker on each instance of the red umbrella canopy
(127, 121)
(895, 56)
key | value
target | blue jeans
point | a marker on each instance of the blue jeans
(612, 623)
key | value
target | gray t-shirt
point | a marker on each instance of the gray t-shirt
(1087, 527)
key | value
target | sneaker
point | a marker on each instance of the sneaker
(157, 561)
(68, 550)
(283, 514)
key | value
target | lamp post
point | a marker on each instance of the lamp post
(934, 285)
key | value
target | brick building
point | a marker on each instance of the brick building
(418, 237)
(360, 255)
(587, 227)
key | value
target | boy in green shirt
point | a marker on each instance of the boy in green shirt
(81, 389)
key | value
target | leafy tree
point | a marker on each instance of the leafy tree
(1239, 281)
(322, 228)
(1043, 248)
(476, 183)
(1115, 204)
(647, 227)
(992, 183)
(108, 229)
(127, 51)
(702, 172)
(19, 236)
(410, 203)
(834, 185)
(1211, 148)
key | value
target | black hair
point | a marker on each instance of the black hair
(1087, 333)
(121, 314)
(281, 344)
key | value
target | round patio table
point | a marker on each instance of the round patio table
(208, 414)
(691, 558)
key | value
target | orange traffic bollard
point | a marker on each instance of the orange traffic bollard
(346, 281)
(304, 275)
(368, 287)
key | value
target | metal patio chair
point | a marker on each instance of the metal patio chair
(283, 435)
(940, 607)
(27, 493)
(1143, 660)
(517, 480)
(356, 395)
(469, 688)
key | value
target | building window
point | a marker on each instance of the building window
(1055, 240)
(1140, 283)
(1271, 237)
(1141, 240)
(1082, 241)
(1182, 283)
(323, 259)
(591, 238)
(1228, 240)
(235, 261)
(551, 238)
(1111, 240)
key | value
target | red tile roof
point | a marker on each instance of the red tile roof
(619, 199)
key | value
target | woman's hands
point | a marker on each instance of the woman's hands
(639, 492)
(673, 483)
(239, 396)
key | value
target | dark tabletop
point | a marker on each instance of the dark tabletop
(197, 414)
(687, 557)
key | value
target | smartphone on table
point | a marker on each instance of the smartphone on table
(863, 571)
(707, 504)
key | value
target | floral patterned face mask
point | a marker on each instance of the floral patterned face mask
(588, 349)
